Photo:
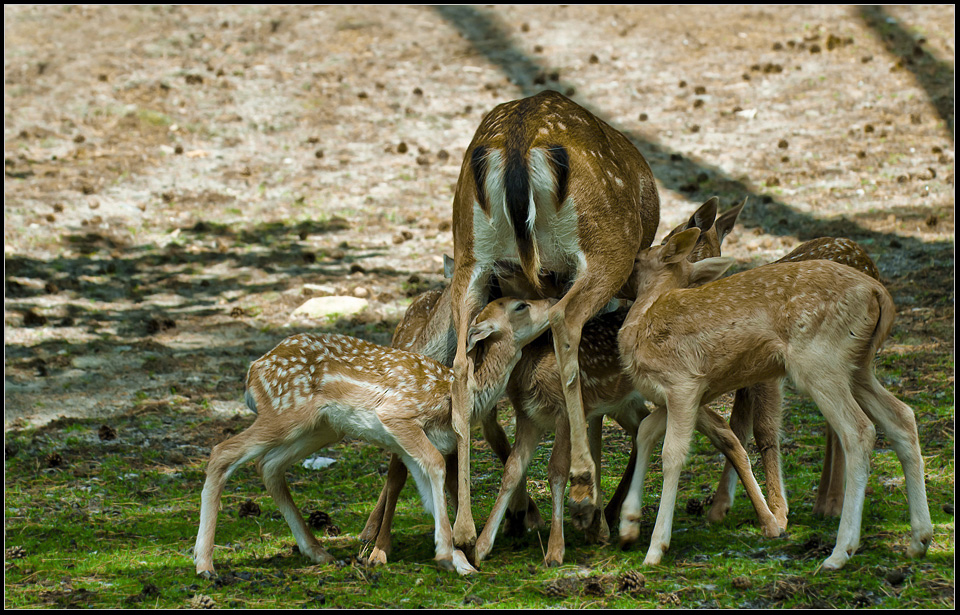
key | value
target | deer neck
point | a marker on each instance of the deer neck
(650, 296)
(492, 369)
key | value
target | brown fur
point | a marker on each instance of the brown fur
(312, 390)
(818, 321)
(605, 186)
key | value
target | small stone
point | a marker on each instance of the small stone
(895, 577)
(333, 306)
(594, 59)
(644, 117)
(402, 148)
(783, 144)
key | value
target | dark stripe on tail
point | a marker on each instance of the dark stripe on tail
(560, 159)
(516, 187)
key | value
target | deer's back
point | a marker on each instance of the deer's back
(349, 375)
(748, 327)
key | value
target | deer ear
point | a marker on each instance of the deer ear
(447, 266)
(726, 221)
(479, 332)
(710, 269)
(705, 215)
(678, 247)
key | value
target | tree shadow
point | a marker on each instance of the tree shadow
(933, 75)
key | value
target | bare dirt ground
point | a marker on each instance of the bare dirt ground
(179, 179)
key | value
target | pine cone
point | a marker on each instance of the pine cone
(694, 507)
(554, 590)
(742, 582)
(670, 599)
(333, 530)
(202, 602)
(54, 460)
(593, 586)
(249, 509)
(319, 520)
(107, 433)
(632, 581)
(561, 588)
(15, 553)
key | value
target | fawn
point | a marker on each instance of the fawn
(819, 322)
(759, 409)
(311, 391)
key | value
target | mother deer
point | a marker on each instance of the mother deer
(549, 186)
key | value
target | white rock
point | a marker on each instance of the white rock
(318, 463)
(325, 307)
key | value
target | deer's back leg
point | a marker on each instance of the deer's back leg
(590, 292)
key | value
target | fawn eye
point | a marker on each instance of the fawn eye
(521, 306)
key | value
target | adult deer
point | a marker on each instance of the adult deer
(548, 185)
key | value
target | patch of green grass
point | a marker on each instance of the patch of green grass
(113, 526)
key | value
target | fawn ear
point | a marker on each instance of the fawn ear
(705, 215)
(479, 332)
(678, 247)
(710, 269)
(726, 221)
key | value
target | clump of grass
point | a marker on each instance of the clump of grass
(113, 525)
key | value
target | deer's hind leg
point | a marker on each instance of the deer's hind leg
(377, 529)
(272, 466)
(225, 458)
(832, 393)
(898, 422)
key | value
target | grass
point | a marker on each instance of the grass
(112, 526)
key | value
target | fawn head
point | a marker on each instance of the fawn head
(713, 229)
(666, 267)
(521, 321)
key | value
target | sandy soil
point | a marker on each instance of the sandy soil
(179, 179)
